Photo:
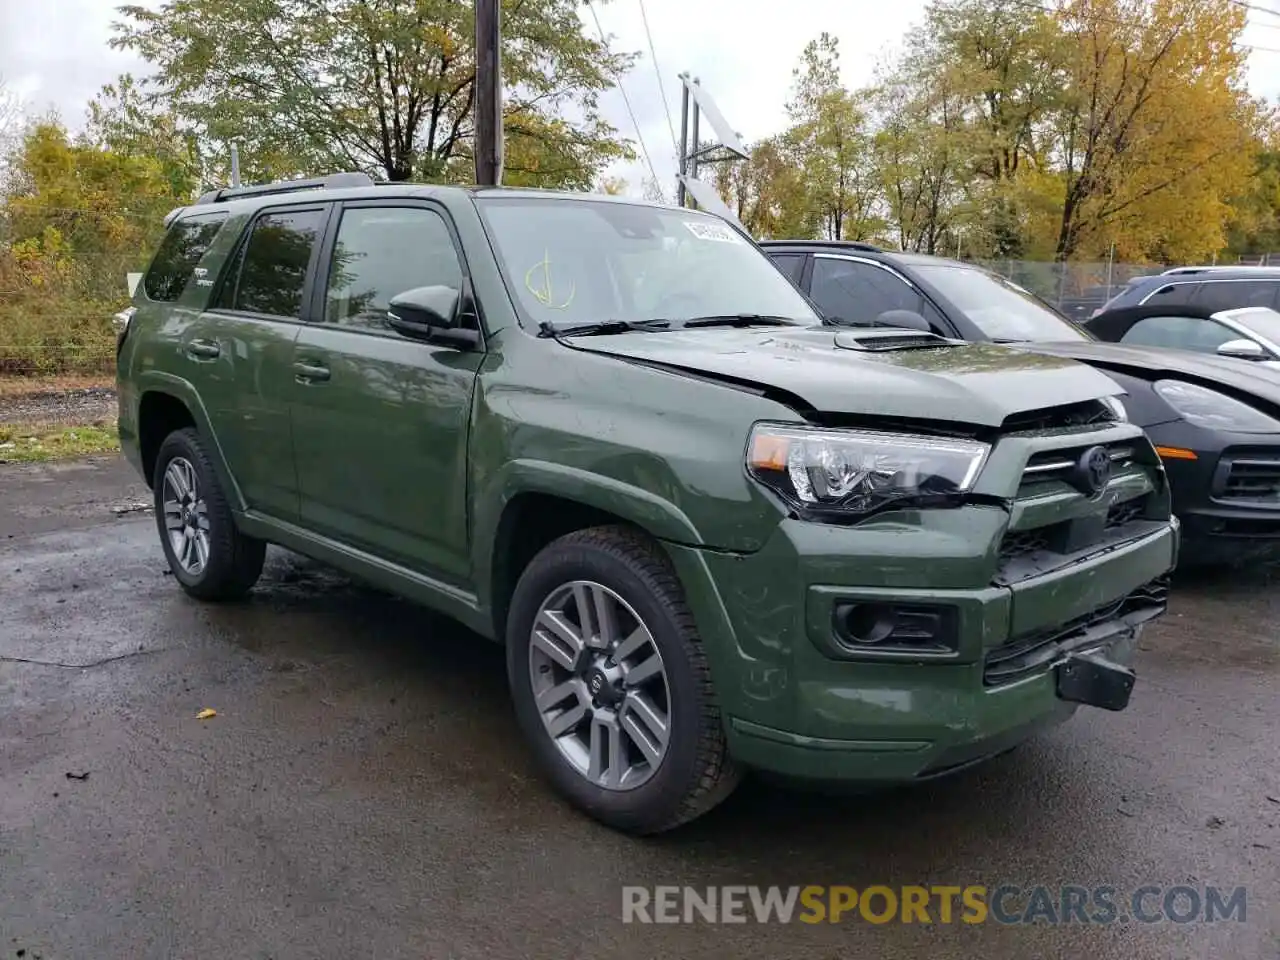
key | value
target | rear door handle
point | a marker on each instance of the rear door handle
(310, 372)
(203, 349)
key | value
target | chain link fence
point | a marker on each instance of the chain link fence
(1076, 288)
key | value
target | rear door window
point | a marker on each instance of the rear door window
(179, 254)
(272, 271)
(1229, 294)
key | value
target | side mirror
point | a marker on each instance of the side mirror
(432, 307)
(431, 313)
(907, 319)
(1242, 349)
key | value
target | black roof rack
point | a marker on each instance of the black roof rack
(333, 181)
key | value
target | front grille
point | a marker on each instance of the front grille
(1085, 414)
(1022, 543)
(1030, 654)
(1052, 466)
(1256, 481)
(1123, 513)
(1069, 536)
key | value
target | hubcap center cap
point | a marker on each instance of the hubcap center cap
(604, 684)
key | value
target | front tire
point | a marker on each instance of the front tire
(611, 685)
(209, 557)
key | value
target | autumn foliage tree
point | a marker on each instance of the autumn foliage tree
(1017, 130)
(75, 219)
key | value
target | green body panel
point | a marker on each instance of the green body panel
(401, 467)
(246, 391)
(381, 446)
(970, 384)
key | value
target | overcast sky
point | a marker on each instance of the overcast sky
(55, 54)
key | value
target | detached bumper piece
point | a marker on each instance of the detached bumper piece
(1095, 681)
(1035, 654)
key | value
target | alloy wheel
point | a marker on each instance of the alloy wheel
(186, 516)
(600, 685)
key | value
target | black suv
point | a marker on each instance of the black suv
(1214, 288)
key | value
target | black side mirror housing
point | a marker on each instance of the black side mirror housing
(431, 313)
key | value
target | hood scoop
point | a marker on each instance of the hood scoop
(883, 340)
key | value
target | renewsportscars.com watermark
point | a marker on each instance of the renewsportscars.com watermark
(1005, 904)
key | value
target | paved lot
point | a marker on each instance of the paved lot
(362, 793)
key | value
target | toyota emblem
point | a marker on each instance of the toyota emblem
(1092, 472)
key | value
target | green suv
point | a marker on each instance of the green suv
(713, 534)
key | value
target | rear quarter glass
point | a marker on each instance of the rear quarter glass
(179, 253)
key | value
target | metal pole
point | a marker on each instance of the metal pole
(684, 139)
(1111, 259)
(235, 165)
(488, 107)
(691, 164)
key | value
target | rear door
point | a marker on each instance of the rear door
(380, 420)
(244, 342)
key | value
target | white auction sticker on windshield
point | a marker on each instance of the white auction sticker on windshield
(710, 230)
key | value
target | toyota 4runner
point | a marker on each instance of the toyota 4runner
(713, 534)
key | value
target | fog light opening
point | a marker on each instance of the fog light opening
(870, 623)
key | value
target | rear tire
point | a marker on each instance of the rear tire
(623, 719)
(209, 557)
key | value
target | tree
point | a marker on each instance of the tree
(75, 218)
(385, 86)
(121, 120)
(1156, 131)
(1255, 223)
(1003, 60)
(612, 186)
(768, 192)
(924, 154)
(829, 140)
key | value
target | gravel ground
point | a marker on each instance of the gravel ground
(83, 405)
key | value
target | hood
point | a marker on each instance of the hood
(977, 384)
(1150, 363)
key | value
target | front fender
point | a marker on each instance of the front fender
(646, 510)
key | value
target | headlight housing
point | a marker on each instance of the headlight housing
(1116, 406)
(1207, 408)
(843, 475)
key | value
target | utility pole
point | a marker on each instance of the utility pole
(488, 108)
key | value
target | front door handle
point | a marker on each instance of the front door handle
(203, 349)
(310, 372)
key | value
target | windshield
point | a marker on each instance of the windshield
(1000, 309)
(570, 261)
(1263, 321)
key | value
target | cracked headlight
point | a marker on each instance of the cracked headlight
(845, 474)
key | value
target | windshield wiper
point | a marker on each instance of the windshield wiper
(737, 320)
(600, 328)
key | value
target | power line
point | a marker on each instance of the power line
(627, 100)
(653, 54)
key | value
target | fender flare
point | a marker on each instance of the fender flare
(180, 389)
